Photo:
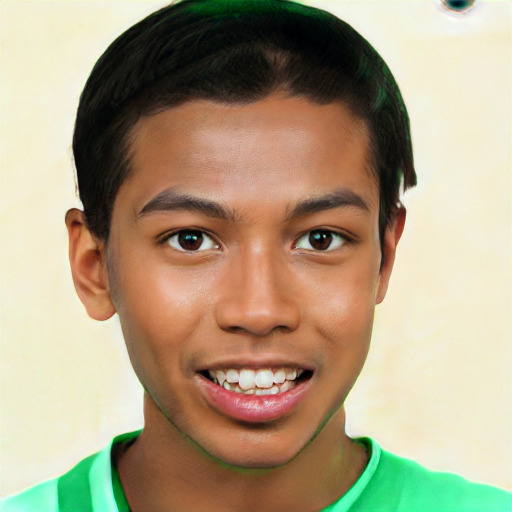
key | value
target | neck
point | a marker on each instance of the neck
(163, 471)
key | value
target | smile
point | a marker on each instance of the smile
(255, 395)
(262, 381)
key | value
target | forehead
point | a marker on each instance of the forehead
(279, 146)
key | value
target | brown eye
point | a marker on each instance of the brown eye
(191, 241)
(320, 240)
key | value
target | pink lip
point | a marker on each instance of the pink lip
(252, 408)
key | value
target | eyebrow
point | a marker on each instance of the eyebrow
(172, 200)
(335, 199)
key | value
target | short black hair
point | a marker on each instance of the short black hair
(233, 51)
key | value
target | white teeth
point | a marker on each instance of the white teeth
(279, 376)
(221, 377)
(247, 379)
(274, 390)
(286, 385)
(264, 378)
(291, 374)
(232, 376)
(263, 381)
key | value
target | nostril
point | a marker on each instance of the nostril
(236, 329)
(239, 317)
(259, 331)
(257, 310)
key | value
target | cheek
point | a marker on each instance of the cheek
(159, 293)
(344, 313)
(346, 299)
(160, 308)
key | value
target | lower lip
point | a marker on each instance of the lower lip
(253, 408)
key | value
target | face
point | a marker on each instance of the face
(244, 264)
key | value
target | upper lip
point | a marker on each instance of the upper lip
(240, 363)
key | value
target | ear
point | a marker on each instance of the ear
(392, 236)
(87, 257)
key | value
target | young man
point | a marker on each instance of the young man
(240, 165)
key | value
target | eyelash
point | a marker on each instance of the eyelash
(339, 239)
(335, 237)
(204, 235)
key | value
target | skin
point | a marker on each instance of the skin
(258, 292)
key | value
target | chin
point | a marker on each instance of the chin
(257, 461)
(259, 453)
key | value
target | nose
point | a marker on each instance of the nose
(257, 296)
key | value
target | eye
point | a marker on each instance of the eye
(320, 240)
(191, 240)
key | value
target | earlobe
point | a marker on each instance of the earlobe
(392, 236)
(88, 267)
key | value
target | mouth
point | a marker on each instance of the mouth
(257, 381)
(255, 395)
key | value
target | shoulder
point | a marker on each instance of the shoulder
(40, 498)
(71, 491)
(401, 484)
(451, 492)
(87, 487)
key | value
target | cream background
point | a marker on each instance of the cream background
(436, 387)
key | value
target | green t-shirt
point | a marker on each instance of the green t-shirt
(389, 483)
